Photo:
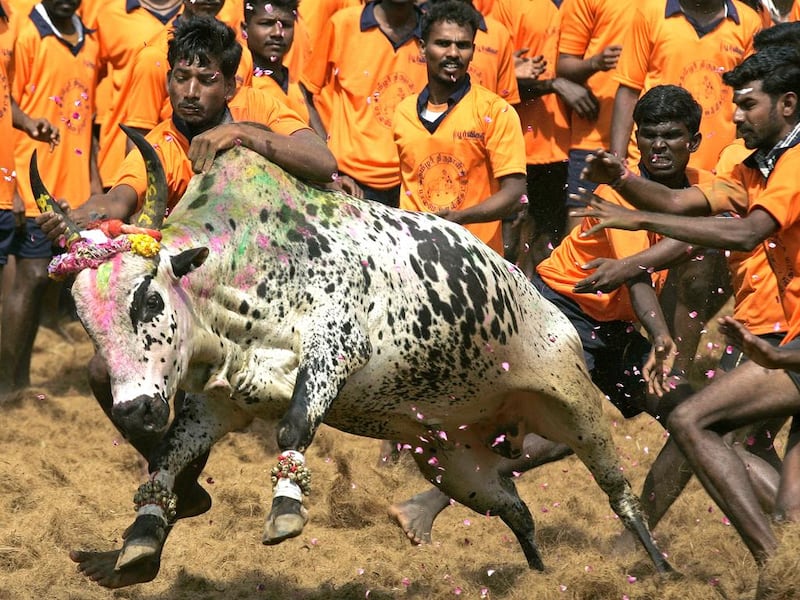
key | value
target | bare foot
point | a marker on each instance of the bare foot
(414, 519)
(99, 567)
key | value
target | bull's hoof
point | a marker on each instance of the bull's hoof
(286, 520)
(144, 540)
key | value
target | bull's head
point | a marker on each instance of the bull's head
(128, 296)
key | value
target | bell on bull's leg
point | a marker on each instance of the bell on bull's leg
(291, 480)
(155, 505)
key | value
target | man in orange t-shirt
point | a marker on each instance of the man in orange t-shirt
(368, 59)
(460, 145)
(270, 30)
(763, 190)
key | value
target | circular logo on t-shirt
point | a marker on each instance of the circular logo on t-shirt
(703, 80)
(442, 182)
(388, 94)
(74, 106)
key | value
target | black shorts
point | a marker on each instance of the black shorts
(33, 243)
(615, 352)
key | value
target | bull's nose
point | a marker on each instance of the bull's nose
(144, 414)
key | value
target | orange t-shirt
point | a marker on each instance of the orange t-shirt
(314, 21)
(459, 164)
(367, 77)
(745, 188)
(757, 301)
(587, 28)
(57, 81)
(667, 50)
(7, 167)
(172, 146)
(562, 269)
(122, 30)
(293, 97)
(485, 7)
(534, 24)
(492, 63)
(794, 15)
(314, 18)
(148, 103)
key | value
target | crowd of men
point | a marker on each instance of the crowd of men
(489, 113)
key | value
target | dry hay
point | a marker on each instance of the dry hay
(67, 479)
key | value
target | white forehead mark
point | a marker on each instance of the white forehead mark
(743, 91)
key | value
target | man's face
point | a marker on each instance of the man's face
(208, 8)
(61, 9)
(665, 148)
(448, 51)
(270, 33)
(756, 117)
(199, 93)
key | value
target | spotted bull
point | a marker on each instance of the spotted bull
(267, 298)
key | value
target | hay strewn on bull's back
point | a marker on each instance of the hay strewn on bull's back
(67, 479)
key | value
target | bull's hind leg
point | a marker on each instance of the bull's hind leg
(195, 429)
(581, 426)
(468, 472)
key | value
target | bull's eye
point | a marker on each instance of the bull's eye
(154, 303)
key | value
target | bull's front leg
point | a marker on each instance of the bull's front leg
(198, 425)
(333, 347)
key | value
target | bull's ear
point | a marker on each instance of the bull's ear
(188, 260)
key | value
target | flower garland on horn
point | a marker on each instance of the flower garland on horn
(120, 237)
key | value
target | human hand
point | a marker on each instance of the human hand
(347, 185)
(607, 275)
(579, 98)
(205, 146)
(656, 371)
(603, 167)
(607, 59)
(759, 351)
(607, 214)
(526, 67)
(42, 130)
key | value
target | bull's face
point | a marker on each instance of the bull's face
(136, 312)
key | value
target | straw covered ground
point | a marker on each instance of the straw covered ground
(67, 479)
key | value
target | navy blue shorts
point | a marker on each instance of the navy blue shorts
(615, 352)
(32, 244)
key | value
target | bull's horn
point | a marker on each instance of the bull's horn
(155, 198)
(47, 203)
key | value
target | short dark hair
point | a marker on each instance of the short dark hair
(288, 5)
(776, 67)
(780, 34)
(455, 11)
(204, 39)
(668, 103)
